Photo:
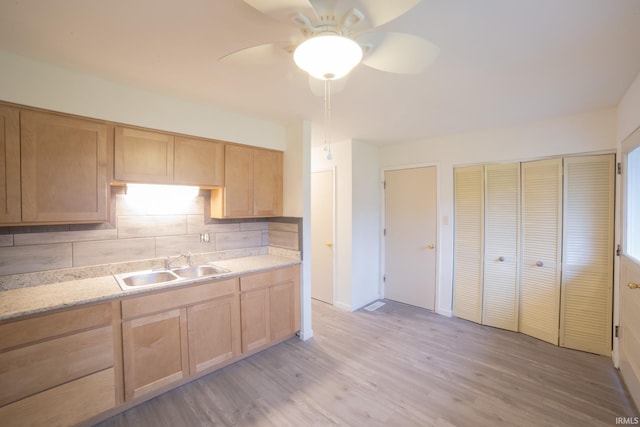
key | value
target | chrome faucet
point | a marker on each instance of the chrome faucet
(170, 259)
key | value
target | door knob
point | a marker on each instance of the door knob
(632, 285)
(431, 246)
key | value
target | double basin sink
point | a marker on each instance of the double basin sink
(161, 277)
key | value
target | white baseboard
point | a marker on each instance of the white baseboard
(444, 312)
(305, 335)
(343, 306)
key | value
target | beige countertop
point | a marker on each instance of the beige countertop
(20, 302)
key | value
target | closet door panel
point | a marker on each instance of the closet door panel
(541, 249)
(501, 246)
(587, 273)
(469, 225)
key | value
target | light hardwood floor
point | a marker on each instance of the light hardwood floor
(398, 366)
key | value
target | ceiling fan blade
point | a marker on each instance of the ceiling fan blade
(380, 12)
(397, 52)
(317, 85)
(282, 10)
(264, 54)
(376, 12)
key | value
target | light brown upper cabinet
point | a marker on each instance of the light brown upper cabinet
(149, 157)
(198, 162)
(10, 209)
(143, 156)
(63, 169)
(253, 184)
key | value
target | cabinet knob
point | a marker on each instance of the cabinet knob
(431, 246)
(501, 259)
(329, 245)
(539, 263)
(632, 285)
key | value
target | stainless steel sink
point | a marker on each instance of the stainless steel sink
(197, 271)
(152, 278)
(145, 278)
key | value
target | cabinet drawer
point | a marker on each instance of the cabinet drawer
(29, 370)
(65, 405)
(38, 328)
(179, 297)
(269, 278)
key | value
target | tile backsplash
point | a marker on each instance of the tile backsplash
(140, 232)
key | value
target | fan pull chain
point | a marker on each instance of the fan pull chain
(327, 119)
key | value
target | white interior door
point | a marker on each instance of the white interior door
(541, 249)
(322, 258)
(410, 239)
(587, 256)
(468, 242)
(630, 268)
(501, 246)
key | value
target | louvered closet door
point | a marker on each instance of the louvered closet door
(501, 245)
(468, 244)
(541, 249)
(587, 270)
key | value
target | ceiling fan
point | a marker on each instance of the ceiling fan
(336, 35)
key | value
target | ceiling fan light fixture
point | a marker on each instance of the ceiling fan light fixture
(328, 56)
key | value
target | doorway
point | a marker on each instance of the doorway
(322, 236)
(410, 236)
(630, 267)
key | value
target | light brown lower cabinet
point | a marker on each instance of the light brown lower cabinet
(58, 369)
(171, 335)
(269, 307)
(214, 333)
(77, 365)
(154, 351)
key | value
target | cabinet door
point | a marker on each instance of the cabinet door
(501, 246)
(64, 169)
(143, 156)
(282, 311)
(155, 352)
(469, 241)
(198, 162)
(254, 312)
(541, 249)
(34, 368)
(10, 208)
(267, 183)
(214, 333)
(587, 269)
(238, 180)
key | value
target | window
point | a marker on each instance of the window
(632, 238)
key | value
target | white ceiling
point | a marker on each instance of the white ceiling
(502, 62)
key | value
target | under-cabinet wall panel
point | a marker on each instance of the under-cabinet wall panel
(469, 225)
(541, 249)
(587, 270)
(501, 246)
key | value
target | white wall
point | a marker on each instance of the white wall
(36, 84)
(357, 226)
(589, 132)
(629, 111)
(365, 282)
(297, 203)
